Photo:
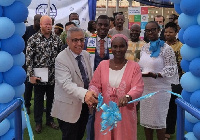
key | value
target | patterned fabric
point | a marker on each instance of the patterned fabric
(153, 111)
(133, 51)
(169, 61)
(41, 53)
(177, 47)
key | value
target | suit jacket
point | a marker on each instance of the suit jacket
(69, 86)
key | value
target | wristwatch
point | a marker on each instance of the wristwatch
(127, 96)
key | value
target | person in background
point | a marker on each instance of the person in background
(72, 78)
(91, 28)
(30, 30)
(112, 22)
(161, 21)
(119, 29)
(53, 21)
(159, 71)
(73, 17)
(58, 29)
(135, 44)
(68, 25)
(99, 47)
(170, 35)
(172, 17)
(119, 81)
(42, 49)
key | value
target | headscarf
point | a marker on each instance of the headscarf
(119, 35)
(155, 47)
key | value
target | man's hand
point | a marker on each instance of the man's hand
(33, 79)
(91, 98)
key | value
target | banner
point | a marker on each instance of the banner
(60, 10)
(138, 15)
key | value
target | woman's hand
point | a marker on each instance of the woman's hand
(124, 100)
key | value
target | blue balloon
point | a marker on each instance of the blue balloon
(177, 8)
(4, 126)
(186, 95)
(196, 129)
(188, 53)
(10, 135)
(15, 76)
(19, 59)
(1, 11)
(17, 12)
(13, 45)
(6, 61)
(191, 36)
(7, 27)
(185, 65)
(191, 20)
(191, 118)
(190, 7)
(12, 121)
(180, 35)
(189, 126)
(195, 99)
(6, 2)
(198, 19)
(195, 67)
(190, 136)
(19, 90)
(26, 2)
(7, 93)
(20, 28)
(175, 1)
(1, 78)
(189, 82)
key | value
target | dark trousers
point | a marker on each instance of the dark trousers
(39, 92)
(28, 94)
(90, 126)
(75, 131)
(172, 112)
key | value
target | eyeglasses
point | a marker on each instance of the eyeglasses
(75, 40)
(153, 30)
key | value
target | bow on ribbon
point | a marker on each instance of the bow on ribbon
(100, 102)
(110, 116)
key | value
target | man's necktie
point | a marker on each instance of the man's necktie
(102, 50)
(83, 72)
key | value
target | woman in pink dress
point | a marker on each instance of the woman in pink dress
(119, 81)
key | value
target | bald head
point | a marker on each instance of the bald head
(46, 25)
(135, 32)
(44, 18)
(136, 26)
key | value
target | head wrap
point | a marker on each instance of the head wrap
(120, 35)
(59, 25)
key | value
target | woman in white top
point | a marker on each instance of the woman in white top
(159, 68)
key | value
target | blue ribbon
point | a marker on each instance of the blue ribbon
(30, 132)
(110, 116)
(100, 101)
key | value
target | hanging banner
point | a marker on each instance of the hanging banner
(138, 15)
(60, 10)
